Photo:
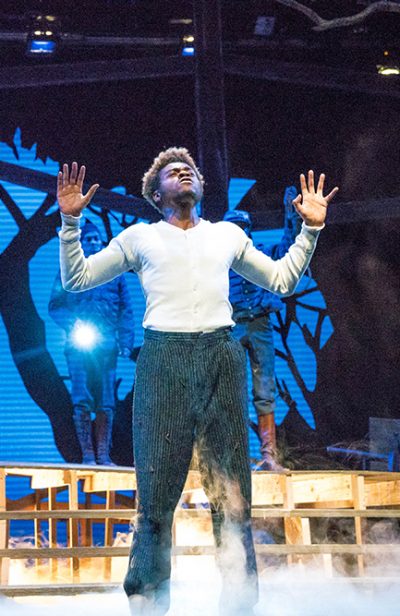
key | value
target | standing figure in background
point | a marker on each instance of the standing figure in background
(252, 307)
(99, 327)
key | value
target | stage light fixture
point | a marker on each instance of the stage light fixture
(43, 36)
(388, 70)
(389, 65)
(265, 25)
(188, 45)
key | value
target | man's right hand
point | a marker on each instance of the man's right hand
(69, 190)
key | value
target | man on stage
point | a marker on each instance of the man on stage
(190, 376)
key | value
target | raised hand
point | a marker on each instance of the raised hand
(312, 205)
(70, 198)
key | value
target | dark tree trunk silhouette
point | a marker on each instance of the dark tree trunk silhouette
(25, 328)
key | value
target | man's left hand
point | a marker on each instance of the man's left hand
(125, 352)
(311, 204)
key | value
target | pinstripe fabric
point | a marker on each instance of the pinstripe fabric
(190, 388)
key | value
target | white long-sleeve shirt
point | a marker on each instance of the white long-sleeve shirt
(183, 274)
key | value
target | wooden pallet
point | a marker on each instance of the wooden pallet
(293, 499)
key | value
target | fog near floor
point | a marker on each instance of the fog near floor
(296, 591)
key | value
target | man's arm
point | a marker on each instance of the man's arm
(77, 272)
(282, 276)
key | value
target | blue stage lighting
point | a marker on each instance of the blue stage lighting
(188, 51)
(43, 35)
(188, 45)
(40, 46)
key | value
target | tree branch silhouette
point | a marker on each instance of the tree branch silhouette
(321, 24)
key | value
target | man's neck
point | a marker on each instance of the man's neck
(182, 217)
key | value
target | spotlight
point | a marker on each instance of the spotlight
(390, 64)
(388, 70)
(43, 35)
(188, 45)
(84, 336)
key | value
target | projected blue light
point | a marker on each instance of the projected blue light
(41, 47)
(22, 420)
(188, 51)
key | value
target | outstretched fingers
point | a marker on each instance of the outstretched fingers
(311, 181)
(65, 175)
(74, 173)
(81, 176)
(296, 202)
(59, 181)
(307, 186)
(89, 195)
(333, 192)
(303, 183)
(321, 182)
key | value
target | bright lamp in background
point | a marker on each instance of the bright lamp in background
(390, 65)
(43, 36)
(85, 336)
(188, 45)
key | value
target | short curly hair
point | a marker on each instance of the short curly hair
(150, 180)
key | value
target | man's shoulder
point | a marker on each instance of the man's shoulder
(134, 232)
(224, 226)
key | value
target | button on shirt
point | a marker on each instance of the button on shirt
(183, 273)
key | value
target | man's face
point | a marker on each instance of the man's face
(177, 182)
(91, 243)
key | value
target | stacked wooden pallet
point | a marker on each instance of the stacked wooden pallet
(292, 499)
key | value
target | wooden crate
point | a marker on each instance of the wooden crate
(294, 498)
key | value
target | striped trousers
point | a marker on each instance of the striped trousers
(190, 389)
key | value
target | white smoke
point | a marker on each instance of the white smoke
(295, 591)
(301, 589)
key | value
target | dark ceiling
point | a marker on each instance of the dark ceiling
(112, 29)
(294, 99)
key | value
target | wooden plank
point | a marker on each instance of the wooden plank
(266, 489)
(258, 512)
(25, 503)
(329, 548)
(109, 481)
(291, 529)
(108, 534)
(64, 514)
(326, 513)
(321, 487)
(47, 590)
(86, 523)
(52, 495)
(76, 552)
(382, 492)
(359, 503)
(4, 526)
(37, 525)
(47, 479)
(31, 590)
(277, 549)
(73, 534)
